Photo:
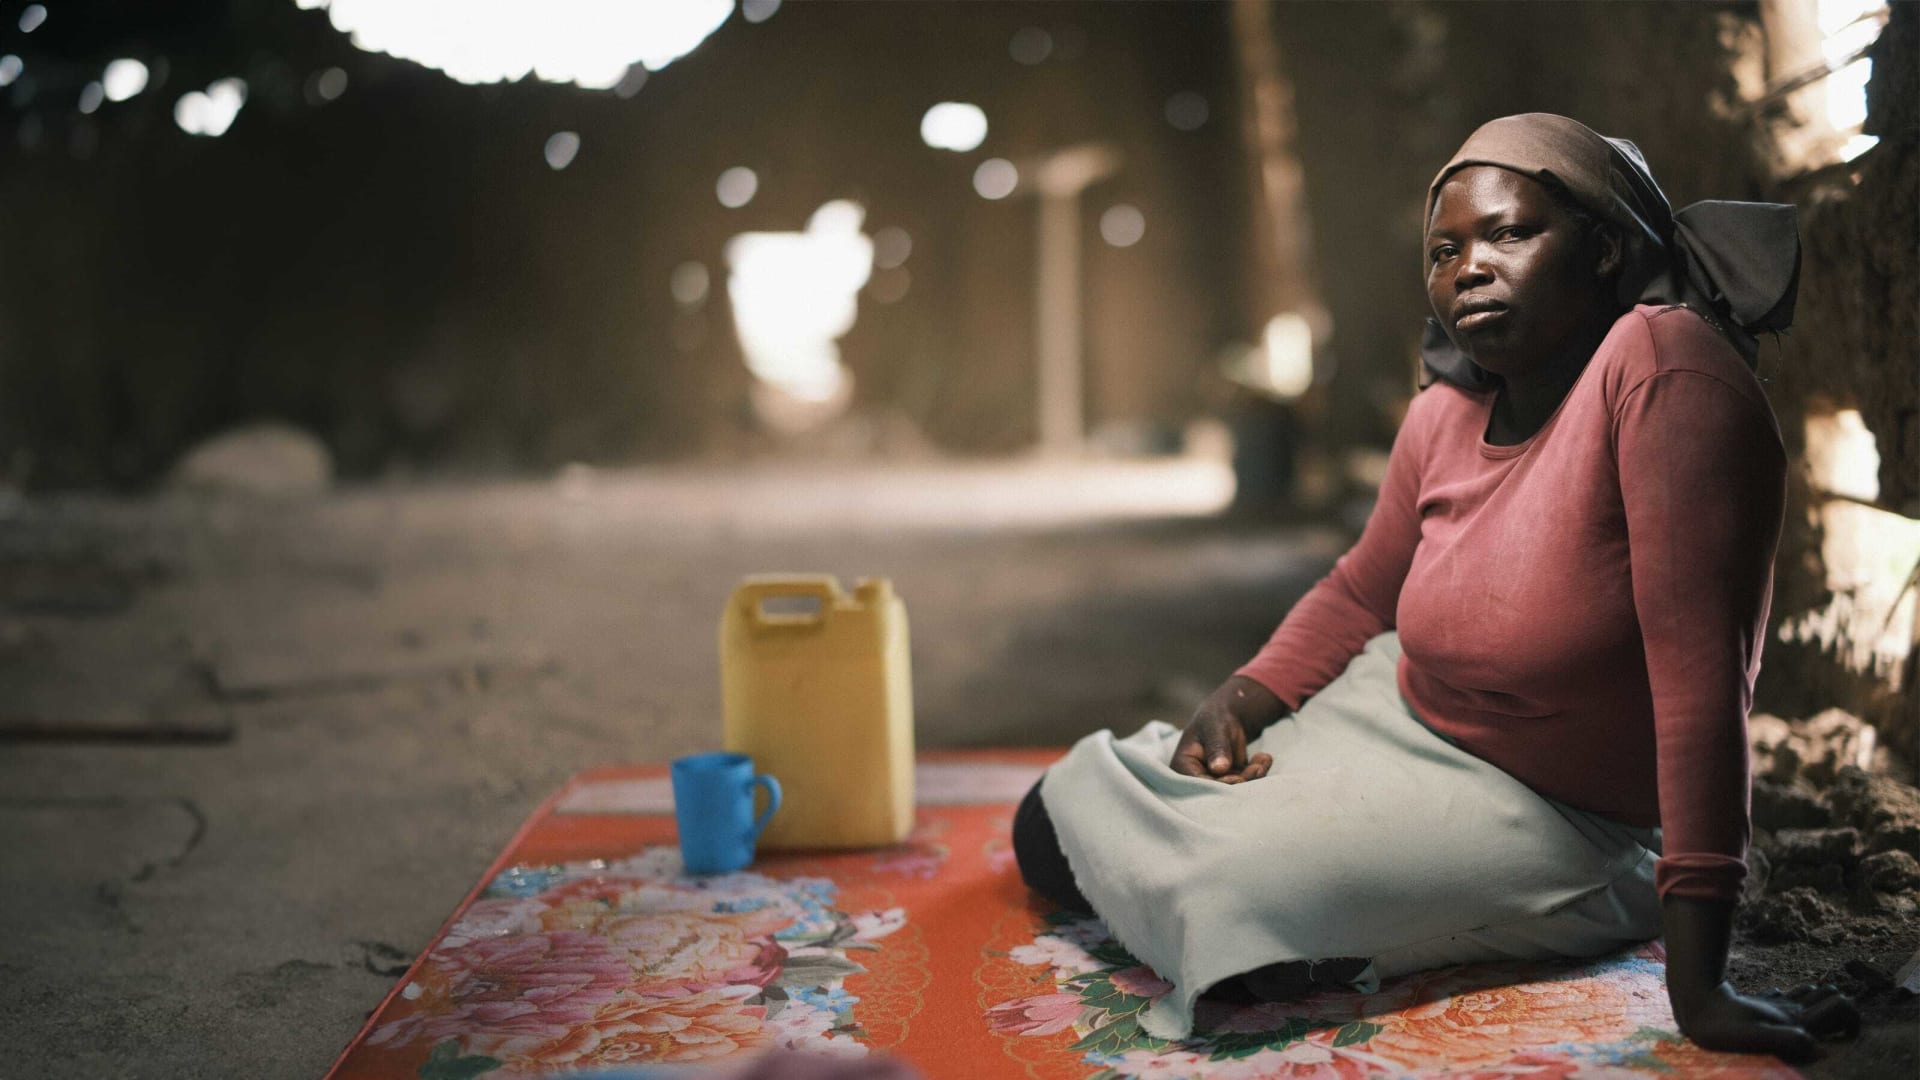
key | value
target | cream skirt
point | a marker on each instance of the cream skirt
(1373, 836)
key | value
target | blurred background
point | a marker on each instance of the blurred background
(391, 391)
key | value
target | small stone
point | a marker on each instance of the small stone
(1868, 975)
(1798, 914)
(1788, 806)
(268, 460)
(1815, 846)
(1905, 837)
(1891, 871)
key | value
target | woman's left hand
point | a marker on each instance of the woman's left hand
(1783, 1023)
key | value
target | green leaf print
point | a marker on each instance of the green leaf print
(1118, 1037)
(816, 970)
(445, 1063)
(1357, 1032)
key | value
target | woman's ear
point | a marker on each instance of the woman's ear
(1611, 251)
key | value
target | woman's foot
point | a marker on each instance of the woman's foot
(1291, 979)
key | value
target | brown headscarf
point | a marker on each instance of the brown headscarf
(1738, 263)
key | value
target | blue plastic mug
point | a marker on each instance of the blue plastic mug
(713, 806)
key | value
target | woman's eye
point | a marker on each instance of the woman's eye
(1439, 253)
(1513, 232)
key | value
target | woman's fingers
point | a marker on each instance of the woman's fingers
(1783, 1041)
(1833, 1014)
(1221, 757)
(1257, 767)
(1808, 990)
(1189, 758)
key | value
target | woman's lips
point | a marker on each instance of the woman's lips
(1475, 320)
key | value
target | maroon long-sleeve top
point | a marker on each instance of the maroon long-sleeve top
(1584, 609)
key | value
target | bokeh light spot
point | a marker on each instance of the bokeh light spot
(328, 85)
(891, 246)
(91, 95)
(32, 17)
(758, 11)
(689, 284)
(953, 125)
(561, 148)
(10, 69)
(1187, 110)
(1123, 225)
(1030, 45)
(211, 112)
(736, 187)
(123, 79)
(995, 178)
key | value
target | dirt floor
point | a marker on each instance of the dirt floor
(360, 696)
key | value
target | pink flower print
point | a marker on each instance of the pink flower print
(1308, 1058)
(1161, 1064)
(871, 925)
(913, 860)
(1140, 981)
(710, 1025)
(1066, 958)
(1530, 1065)
(1041, 1014)
(537, 985)
(692, 951)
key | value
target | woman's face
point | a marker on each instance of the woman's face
(1511, 275)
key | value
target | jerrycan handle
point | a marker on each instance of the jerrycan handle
(796, 601)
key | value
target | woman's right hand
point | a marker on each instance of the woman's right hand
(1214, 746)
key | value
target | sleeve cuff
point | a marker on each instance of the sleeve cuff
(1699, 876)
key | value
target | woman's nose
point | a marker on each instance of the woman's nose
(1472, 270)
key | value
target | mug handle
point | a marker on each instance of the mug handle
(773, 803)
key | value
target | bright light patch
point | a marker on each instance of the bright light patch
(91, 95)
(1857, 145)
(953, 125)
(589, 43)
(211, 112)
(736, 187)
(1846, 27)
(1187, 110)
(1842, 457)
(794, 295)
(561, 148)
(1288, 360)
(32, 17)
(1123, 225)
(995, 178)
(10, 69)
(123, 79)
(758, 11)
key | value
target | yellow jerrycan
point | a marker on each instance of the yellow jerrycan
(815, 687)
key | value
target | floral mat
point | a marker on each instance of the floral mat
(585, 947)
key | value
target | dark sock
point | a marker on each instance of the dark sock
(1043, 866)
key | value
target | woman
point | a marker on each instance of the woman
(1512, 721)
